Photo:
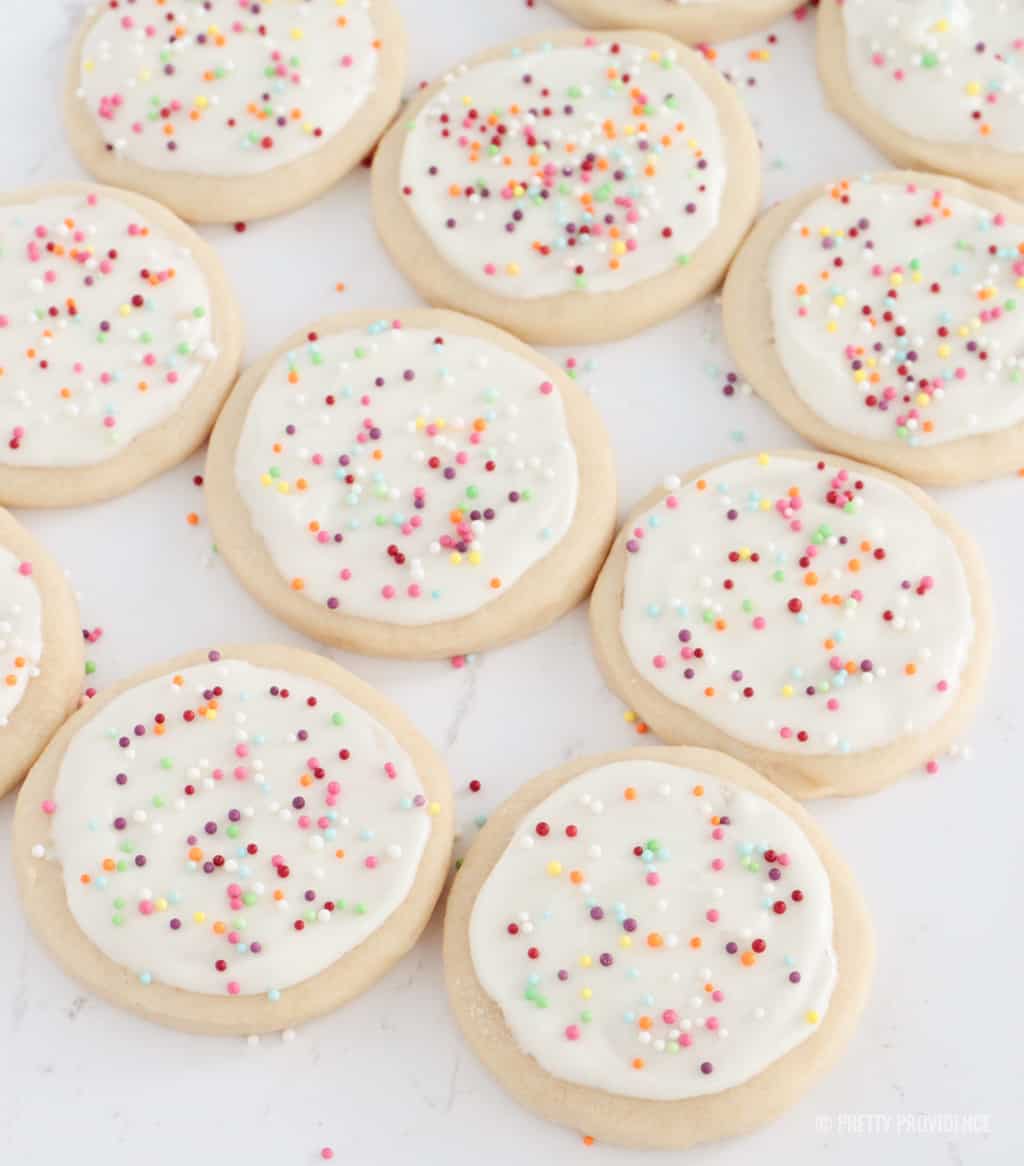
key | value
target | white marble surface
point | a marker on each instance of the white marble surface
(388, 1079)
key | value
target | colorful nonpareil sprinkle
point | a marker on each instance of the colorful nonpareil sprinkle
(798, 605)
(21, 630)
(218, 87)
(898, 313)
(655, 932)
(566, 168)
(941, 70)
(106, 326)
(404, 475)
(233, 829)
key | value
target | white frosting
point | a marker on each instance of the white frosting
(264, 770)
(93, 352)
(803, 609)
(447, 448)
(671, 957)
(21, 631)
(579, 176)
(897, 315)
(241, 86)
(941, 70)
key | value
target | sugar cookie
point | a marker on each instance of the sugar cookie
(573, 187)
(412, 484)
(40, 650)
(656, 947)
(119, 339)
(692, 21)
(934, 84)
(821, 620)
(879, 317)
(226, 110)
(234, 843)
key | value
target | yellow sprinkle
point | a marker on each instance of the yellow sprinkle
(587, 993)
(434, 809)
(812, 1017)
(585, 961)
(297, 34)
(474, 557)
(787, 690)
(199, 917)
(554, 868)
(763, 459)
(455, 558)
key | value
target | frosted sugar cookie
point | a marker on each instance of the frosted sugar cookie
(412, 484)
(821, 620)
(880, 317)
(572, 188)
(935, 84)
(119, 338)
(40, 650)
(692, 21)
(656, 947)
(233, 842)
(231, 109)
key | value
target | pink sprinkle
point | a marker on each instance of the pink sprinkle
(573, 1032)
(711, 916)
(49, 807)
(25, 568)
(234, 987)
(370, 862)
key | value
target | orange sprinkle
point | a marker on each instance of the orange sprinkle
(630, 794)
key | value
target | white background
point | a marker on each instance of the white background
(388, 1080)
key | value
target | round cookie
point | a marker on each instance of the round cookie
(230, 112)
(119, 339)
(822, 621)
(656, 947)
(41, 654)
(934, 84)
(692, 21)
(235, 842)
(611, 182)
(413, 484)
(878, 316)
